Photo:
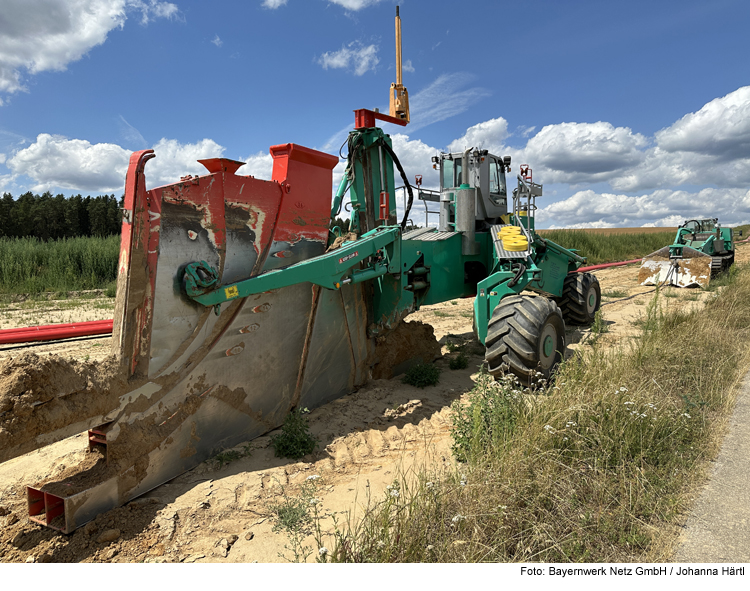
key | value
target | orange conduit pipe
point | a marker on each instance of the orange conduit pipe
(606, 265)
(53, 332)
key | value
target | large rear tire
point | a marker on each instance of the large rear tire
(526, 335)
(581, 299)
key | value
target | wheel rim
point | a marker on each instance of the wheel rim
(548, 345)
(591, 301)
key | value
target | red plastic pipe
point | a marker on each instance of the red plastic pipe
(606, 265)
(52, 332)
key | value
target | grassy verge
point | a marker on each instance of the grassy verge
(597, 467)
(607, 248)
(30, 266)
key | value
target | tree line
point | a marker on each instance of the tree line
(51, 218)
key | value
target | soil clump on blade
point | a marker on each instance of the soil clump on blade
(410, 343)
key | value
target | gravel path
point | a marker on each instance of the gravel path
(718, 529)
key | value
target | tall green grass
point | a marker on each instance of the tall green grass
(607, 248)
(598, 468)
(29, 266)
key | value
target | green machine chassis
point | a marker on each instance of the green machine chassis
(408, 268)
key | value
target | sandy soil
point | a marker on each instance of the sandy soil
(385, 431)
(78, 307)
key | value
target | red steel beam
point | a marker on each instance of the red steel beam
(52, 332)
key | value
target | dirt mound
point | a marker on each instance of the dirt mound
(409, 343)
(42, 394)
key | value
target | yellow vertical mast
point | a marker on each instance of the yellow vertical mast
(399, 99)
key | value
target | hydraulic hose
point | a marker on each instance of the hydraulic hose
(393, 156)
(519, 273)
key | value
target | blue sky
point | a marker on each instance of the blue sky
(631, 113)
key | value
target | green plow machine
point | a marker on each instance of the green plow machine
(525, 288)
(702, 249)
(239, 300)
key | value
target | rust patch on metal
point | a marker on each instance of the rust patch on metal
(236, 350)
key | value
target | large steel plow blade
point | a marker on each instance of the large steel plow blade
(194, 380)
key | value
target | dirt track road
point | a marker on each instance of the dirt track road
(216, 513)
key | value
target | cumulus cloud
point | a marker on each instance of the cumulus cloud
(663, 207)
(415, 156)
(175, 159)
(488, 135)
(259, 165)
(273, 4)
(217, 41)
(56, 162)
(42, 35)
(720, 128)
(354, 57)
(584, 152)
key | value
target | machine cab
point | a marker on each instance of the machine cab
(485, 173)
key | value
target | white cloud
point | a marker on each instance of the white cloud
(353, 4)
(354, 57)
(407, 66)
(259, 165)
(415, 156)
(42, 35)
(273, 4)
(720, 128)
(217, 41)
(151, 9)
(174, 160)
(584, 152)
(488, 135)
(664, 207)
(53, 161)
(2, 158)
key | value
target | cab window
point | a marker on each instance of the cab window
(451, 173)
(447, 180)
(497, 178)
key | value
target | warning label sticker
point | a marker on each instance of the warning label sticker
(347, 257)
